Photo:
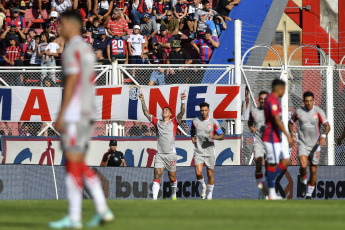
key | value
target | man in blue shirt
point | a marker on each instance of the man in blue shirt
(102, 41)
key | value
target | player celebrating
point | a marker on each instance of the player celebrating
(204, 131)
(75, 124)
(310, 118)
(256, 124)
(275, 151)
(166, 153)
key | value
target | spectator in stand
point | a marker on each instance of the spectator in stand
(163, 39)
(17, 19)
(157, 75)
(13, 56)
(61, 6)
(117, 49)
(191, 14)
(24, 129)
(42, 46)
(102, 10)
(86, 36)
(117, 25)
(180, 12)
(205, 45)
(201, 16)
(53, 23)
(217, 25)
(60, 40)
(138, 129)
(160, 9)
(33, 49)
(3, 13)
(47, 82)
(11, 31)
(101, 60)
(102, 41)
(31, 42)
(49, 59)
(225, 6)
(181, 57)
(136, 46)
(139, 8)
(123, 5)
(148, 27)
(171, 23)
(94, 28)
(22, 8)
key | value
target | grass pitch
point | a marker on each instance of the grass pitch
(186, 214)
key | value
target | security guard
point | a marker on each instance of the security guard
(112, 157)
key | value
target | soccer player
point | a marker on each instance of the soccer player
(256, 124)
(166, 153)
(75, 124)
(276, 154)
(310, 118)
(204, 131)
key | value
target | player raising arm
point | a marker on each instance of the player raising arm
(166, 153)
(75, 124)
(310, 118)
(256, 124)
(276, 153)
(204, 131)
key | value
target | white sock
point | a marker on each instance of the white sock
(155, 189)
(74, 197)
(310, 190)
(95, 188)
(173, 188)
(202, 182)
(210, 190)
(304, 180)
(272, 192)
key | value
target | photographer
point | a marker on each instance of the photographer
(113, 157)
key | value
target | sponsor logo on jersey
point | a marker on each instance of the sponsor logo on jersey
(315, 116)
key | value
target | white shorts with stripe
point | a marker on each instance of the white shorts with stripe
(275, 152)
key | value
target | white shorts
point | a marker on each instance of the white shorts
(275, 152)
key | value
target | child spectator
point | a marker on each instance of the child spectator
(117, 25)
(136, 43)
(160, 9)
(205, 45)
(191, 14)
(117, 49)
(94, 28)
(180, 12)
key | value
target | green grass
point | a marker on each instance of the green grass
(186, 214)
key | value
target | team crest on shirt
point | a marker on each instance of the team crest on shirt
(134, 92)
(274, 107)
(315, 116)
(209, 126)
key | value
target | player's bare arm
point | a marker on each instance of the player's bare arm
(323, 136)
(183, 107)
(71, 82)
(124, 163)
(145, 110)
(281, 127)
(290, 126)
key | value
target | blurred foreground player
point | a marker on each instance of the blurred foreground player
(204, 131)
(276, 153)
(256, 124)
(75, 124)
(166, 152)
(310, 118)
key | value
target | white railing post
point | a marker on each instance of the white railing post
(114, 75)
(238, 50)
(285, 100)
(330, 114)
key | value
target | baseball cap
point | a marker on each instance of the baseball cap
(54, 14)
(84, 30)
(136, 27)
(163, 27)
(13, 24)
(15, 9)
(208, 31)
(147, 15)
(113, 143)
(101, 30)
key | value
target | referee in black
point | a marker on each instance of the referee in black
(113, 157)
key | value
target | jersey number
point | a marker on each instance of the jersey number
(117, 44)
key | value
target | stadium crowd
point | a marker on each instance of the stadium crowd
(131, 31)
